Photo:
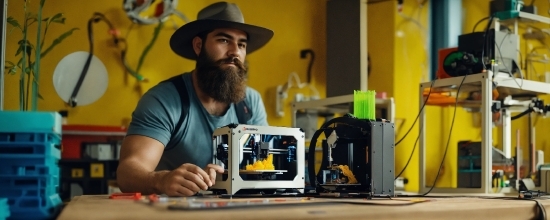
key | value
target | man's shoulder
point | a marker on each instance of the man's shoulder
(165, 87)
(252, 94)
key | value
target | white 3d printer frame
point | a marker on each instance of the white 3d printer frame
(234, 182)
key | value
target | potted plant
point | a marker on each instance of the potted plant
(30, 51)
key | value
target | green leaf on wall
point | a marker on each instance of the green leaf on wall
(58, 40)
(14, 23)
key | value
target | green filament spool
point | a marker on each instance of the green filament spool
(364, 104)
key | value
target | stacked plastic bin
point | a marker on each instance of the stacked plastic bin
(29, 173)
(4, 209)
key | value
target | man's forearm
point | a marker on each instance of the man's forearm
(132, 177)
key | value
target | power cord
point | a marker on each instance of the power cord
(533, 195)
(417, 116)
(485, 38)
(479, 22)
(118, 41)
(542, 210)
(449, 138)
(303, 55)
(378, 1)
(410, 157)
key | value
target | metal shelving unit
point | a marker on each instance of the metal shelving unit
(483, 83)
(340, 105)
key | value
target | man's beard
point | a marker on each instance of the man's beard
(224, 85)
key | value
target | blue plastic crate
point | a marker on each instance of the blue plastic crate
(4, 208)
(31, 197)
(29, 138)
(13, 187)
(36, 182)
(18, 167)
(27, 165)
(30, 207)
(23, 151)
(20, 192)
(26, 121)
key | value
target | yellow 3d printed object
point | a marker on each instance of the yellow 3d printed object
(266, 164)
(348, 173)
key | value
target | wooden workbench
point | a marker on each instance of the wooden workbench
(101, 207)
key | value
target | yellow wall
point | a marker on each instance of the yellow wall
(297, 25)
(396, 46)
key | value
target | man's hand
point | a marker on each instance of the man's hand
(186, 180)
(212, 169)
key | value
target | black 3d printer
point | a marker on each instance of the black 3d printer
(358, 158)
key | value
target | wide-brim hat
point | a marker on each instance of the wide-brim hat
(217, 15)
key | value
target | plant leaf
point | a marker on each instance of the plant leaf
(14, 22)
(10, 63)
(58, 18)
(13, 70)
(22, 46)
(58, 40)
(40, 96)
(20, 62)
(11, 67)
(31, 18)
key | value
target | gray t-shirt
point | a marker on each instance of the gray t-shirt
(157, 114)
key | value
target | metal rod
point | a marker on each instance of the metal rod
(530, 144)
(4, 11)
(518, 158)
(533, 151)
(249, 151)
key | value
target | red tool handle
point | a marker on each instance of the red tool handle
(134, 196)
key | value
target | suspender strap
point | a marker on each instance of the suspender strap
(243, 111)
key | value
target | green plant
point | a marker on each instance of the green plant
(30, 69)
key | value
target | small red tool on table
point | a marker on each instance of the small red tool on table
(134, 196)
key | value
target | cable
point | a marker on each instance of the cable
(479, 22)
(72, 100)
(379, 1)
(410, 157)
(118, 42)
(539, 206)
(449, 138)
(299, 84)
(513, 62)
(521, 114)
(417, 116)
(485, 37)
(542, 210)
(303, 54)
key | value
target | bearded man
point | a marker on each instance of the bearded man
(168, 147)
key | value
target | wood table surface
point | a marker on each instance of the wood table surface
(101, 207)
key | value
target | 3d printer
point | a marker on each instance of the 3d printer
(259, 160)
(358, 157)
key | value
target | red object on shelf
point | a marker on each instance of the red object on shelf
(442, 54)
(74, 135)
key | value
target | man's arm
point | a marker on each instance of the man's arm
(139, 156)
